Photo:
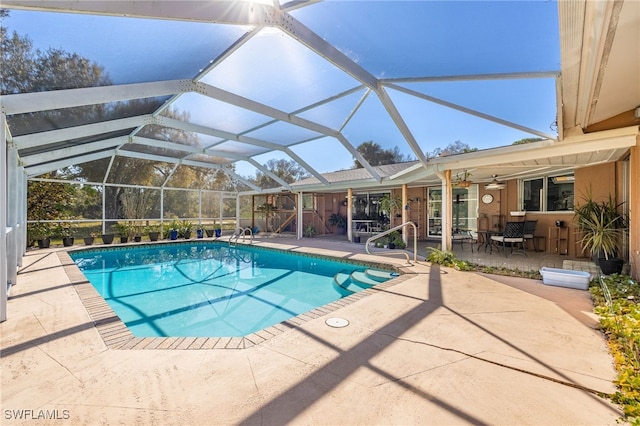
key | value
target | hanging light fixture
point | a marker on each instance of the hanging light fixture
(495, 185)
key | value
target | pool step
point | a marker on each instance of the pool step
(359, 280)
(380, 275)
(341, 281)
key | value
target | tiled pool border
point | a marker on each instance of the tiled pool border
(116, 335)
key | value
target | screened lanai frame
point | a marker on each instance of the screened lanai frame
(372, 81)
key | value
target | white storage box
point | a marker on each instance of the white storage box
(565, 278)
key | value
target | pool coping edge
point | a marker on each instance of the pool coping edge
(116, 335)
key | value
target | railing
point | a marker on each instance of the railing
(387, 232)
(241, 232)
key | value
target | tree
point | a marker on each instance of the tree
(527, 140)
(377, 156)
(47, 201)
(27, 70)
(287, 170)
(456, 147)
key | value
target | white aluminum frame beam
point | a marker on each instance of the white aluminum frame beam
(40, 169)
(471, 111)
(72, 152)
(204, 151)
(45, 138)
(219, 11)
(172, 160)
(68, 98)
(3, 218)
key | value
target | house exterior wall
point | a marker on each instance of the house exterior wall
(634, 210)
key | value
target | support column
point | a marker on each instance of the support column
(237, 212)
(3, 218)
(405, 214)
(447, 217)
(22, 214)
(300, 217)
(12, 215)
(350, 214)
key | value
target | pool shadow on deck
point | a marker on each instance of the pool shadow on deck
(294, 401)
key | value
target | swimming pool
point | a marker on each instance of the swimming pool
(204, 289)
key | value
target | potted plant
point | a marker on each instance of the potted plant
(123, 229)
(152, 231)
(390, 205)
(462, 180)
(65, 231)
(309, 230)
(107, 238)
(218, 231)
(184, 229)
(90, 239)
(136, 230)
(339, 221)
(397, 240)
(171, 230)
(41, 233)
(601, 226)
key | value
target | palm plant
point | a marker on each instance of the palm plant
(601, 225)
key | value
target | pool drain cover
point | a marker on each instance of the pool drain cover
(337, 322)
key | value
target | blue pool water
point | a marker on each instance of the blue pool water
(213, 289)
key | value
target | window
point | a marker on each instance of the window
(549, 193)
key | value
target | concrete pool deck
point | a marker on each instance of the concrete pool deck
(437, 346)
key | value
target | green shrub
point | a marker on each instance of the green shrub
(620, 322)
(447, 258)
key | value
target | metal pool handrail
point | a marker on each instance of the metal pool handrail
(241, 232)
(387, 232)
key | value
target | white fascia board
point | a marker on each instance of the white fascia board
(56, 165)
(341, 186)
(218, 11)
(591, 142)
(471, 112)
(413, 173)
(44, 138)
(72, 151)
(57, 99)
(473, 77)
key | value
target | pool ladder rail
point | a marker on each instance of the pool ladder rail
(395, 252)
(241, 232)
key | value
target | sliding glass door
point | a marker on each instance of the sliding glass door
(464, 210)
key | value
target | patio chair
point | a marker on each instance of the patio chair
(513, 235)
(529, 231)
(464, 237)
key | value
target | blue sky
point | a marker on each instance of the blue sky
(388, 39)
